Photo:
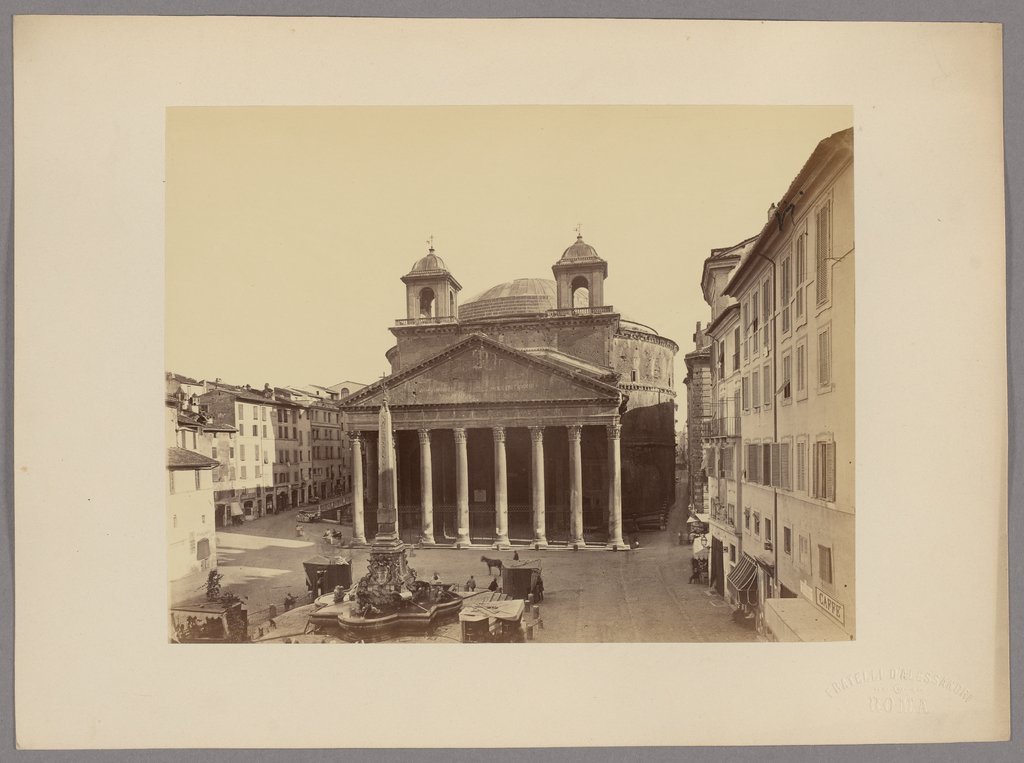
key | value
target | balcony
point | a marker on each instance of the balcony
(723, 426)
(567, 312)
(722, 514)
(427, 321)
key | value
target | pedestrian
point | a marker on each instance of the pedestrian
(298, 531)
(471, 584)
(695, 573)
(437, 578)
(515, 556)
(494, 585)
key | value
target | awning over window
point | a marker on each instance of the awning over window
(743, 578)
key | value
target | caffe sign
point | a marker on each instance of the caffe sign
(830, 605)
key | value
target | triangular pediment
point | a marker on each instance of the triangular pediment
(481, 370)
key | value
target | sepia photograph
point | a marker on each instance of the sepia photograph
(439, 391)
(338, 341)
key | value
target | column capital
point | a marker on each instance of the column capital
(355, 436)
(460, 434)
(614, 431)
(499, 434)
(537, 434)
(575, 431)
(424, 435)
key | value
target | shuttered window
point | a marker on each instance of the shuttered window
(787, 541)
(727, 462)
(754, 325)
(776, 452)
(755, 383)
(825, 357)
(801, 275)
(745, 386)
(766, 314)
(784, 467)
(745, 320)
(825, 471)
(766, 465)
(753, 463)
(801, 367)
(823, 251)
(787, 376)
(785, 291)
(735, 349)
(801, 466)
(769, 393)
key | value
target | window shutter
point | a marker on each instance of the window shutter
(823, 246)
(815, 470)
(830, 471)
(801, 466)
(784, 465)
(766, 464)
(776, 465)
(756, 391)
(825, 358)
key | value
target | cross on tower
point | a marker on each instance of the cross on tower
(430, 242)
(579, 230)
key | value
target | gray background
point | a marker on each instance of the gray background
(1008, 12)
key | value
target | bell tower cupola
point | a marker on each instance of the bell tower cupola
(431, 291)
(579, 276)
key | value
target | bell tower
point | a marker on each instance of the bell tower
(431, 292)
(579, 276)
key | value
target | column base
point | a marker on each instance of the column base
(463, 540)
(578, 542)
(427, 540)
(501, 542)
(618, 545)
(539, 543)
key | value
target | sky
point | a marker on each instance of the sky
(288, 229)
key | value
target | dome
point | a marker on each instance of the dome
(581, 251)
(523, 296)
(430, 263)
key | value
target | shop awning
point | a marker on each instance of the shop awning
(510, 610)
(743, 577)
(236, 510)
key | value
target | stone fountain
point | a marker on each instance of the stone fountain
(389, 601)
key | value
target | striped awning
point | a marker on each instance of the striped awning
(743, 577)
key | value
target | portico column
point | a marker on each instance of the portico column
(575, 487)
(358, 527)
(461, 486)
(426, 490)
(540, 538)
(614, 487)
(371, 473)
(500, 490)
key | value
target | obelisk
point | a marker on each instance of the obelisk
(387, 509)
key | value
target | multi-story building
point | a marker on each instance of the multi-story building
(245, 478)
(698, 414)
(191, 538)
(284, 418)
(722, 455)
(795, 288)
